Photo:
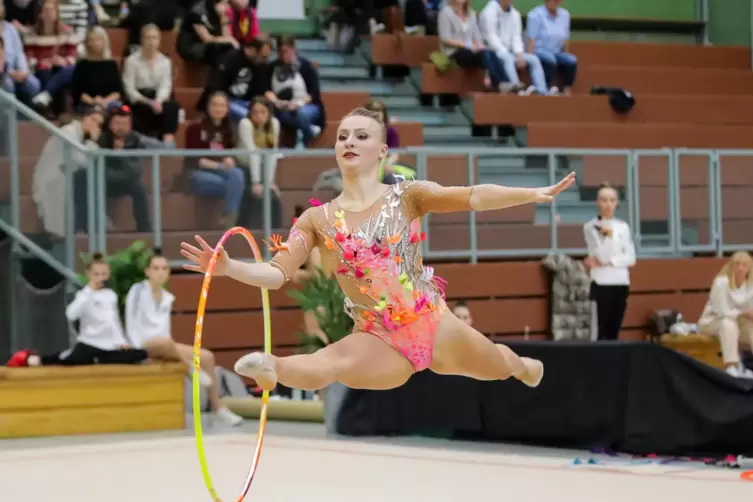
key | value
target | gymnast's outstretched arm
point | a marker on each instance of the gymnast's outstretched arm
(429, 197)
(271, 275)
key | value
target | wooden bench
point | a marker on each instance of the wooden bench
(603, 135)
(702, 347)
(413, 50)
(519, 111)
(99, 399)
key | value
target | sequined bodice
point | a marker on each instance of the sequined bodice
(376, 257)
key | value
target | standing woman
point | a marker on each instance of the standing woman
(148, 80)
(611, 253)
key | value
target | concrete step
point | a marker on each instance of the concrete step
(343, 72)
(375, 88)
(330, 58)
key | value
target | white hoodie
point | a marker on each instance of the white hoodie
(502, 31)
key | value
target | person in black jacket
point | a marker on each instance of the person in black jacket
(204, 35)
(243, 75)
(295, 91)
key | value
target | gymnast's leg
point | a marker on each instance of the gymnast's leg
(461, 350)
(359, 361)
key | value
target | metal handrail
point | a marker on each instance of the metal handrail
(40, 253)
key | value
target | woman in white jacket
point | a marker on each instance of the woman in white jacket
(49, 190)
(729, 311)
(148, 313)
(260, 130)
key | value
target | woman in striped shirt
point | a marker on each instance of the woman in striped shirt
(51, 47)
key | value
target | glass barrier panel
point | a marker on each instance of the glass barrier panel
(736, 210)
(696, 201)
(653, 217)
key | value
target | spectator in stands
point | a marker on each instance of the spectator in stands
(204, 35)
(260, 130)
(243, 21)
(17, 79)
(217, 178)
(461, 40)
(242, 75)
(49, 178)
(122, 174)
(147, 318)
(611, 253)
(422, 13)
(346, 20)
(100, 332)
(463, 313)
(729, 311)
(502, 28)
(390, 165)
(96, 79)
(295, 91)
(548, 32)
(51, 48)
(148, 82)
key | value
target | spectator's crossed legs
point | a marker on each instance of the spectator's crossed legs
(303, 119)
(535, 70)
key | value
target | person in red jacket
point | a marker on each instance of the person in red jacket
(243, 21)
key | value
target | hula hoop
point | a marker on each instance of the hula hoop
(197, 366)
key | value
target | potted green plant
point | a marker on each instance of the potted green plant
(323, 296)
(126, 269)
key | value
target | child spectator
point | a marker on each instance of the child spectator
(100, 333)
(148, 312)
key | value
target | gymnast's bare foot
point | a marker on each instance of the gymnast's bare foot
(260, 367)
(535, 372)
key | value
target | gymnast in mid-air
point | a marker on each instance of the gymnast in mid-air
(369, 237)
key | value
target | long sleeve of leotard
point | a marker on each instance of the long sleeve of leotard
(423, 197)
(301, 240)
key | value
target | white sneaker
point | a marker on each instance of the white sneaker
(227, 417)
(744, 372)
(733, 371)
(554, 91)
(316, 131)
(42, 99)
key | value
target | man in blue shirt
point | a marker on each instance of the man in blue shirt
(14, 70)
(548, 33)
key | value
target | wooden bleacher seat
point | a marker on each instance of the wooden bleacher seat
(99, 399)
(499, 109)
(601, 135)
(702, 347)
(665, 80)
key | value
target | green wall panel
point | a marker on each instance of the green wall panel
(729, 22)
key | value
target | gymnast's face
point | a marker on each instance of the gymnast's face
(158, 271)
(607, 201)
(360, 145)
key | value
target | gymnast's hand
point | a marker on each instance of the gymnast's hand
(547, 194)
(201, 257)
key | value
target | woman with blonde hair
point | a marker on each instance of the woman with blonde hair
(729, 311)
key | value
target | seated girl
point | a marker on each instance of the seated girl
(51, 49)
(218, 177)
(729, 311)
(148, 311)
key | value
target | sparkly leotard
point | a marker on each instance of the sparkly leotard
(376, 257)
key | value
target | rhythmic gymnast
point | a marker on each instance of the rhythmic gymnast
(370, 237)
